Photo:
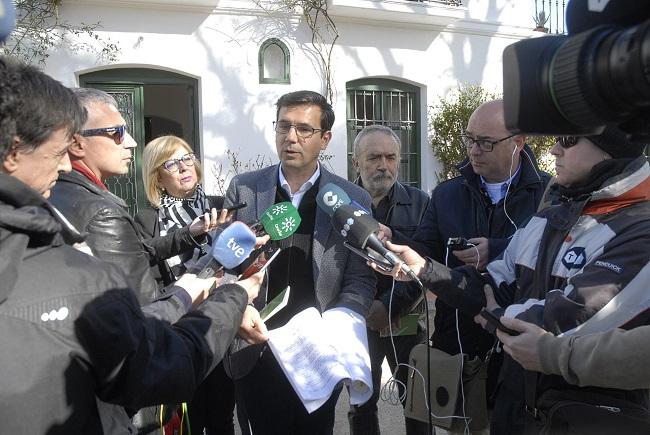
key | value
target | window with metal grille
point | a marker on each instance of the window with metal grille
(391, 103)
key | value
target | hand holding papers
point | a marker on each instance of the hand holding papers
(316, 353)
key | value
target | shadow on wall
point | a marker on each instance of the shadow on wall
(117, 19)
(241, 109)
(276, 25)
(479, 47)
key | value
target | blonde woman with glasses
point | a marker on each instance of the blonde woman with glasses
(172, 180)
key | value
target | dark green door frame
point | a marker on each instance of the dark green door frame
(127, 85)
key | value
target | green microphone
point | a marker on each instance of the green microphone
(280, 220)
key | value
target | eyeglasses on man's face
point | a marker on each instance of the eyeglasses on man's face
(117, 133)
(173, 165)
(567, 141)
(304, 131)
(484, 144)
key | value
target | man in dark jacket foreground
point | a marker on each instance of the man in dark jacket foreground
(76, 347)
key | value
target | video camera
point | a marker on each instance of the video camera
(575, 85)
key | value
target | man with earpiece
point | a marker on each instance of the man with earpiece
(499, 188)
(577, 268)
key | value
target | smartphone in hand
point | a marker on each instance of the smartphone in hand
(236, 206)
(494, 322)
(381, 262)
(261, 262)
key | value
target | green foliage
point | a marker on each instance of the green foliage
(541, 146)
(449, 118)
(39, 29)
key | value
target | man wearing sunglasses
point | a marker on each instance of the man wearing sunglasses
(498, 189)
(578, 267)
(104, 149)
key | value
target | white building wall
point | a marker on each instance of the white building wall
(219, 46)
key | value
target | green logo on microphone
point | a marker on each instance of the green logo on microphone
(281, 220)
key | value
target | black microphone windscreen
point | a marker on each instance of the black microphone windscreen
(354, 224)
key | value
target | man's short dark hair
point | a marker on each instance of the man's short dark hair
(8, 105)
(299, 98)
(36, 106)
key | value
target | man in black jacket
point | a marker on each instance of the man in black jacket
(400, 208)
(103, 149)
(499, 189)
(76, 347)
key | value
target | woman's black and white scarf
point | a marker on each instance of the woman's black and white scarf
(175, 213)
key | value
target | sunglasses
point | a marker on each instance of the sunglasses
(567, 141)
(173, 165)
(117, 133)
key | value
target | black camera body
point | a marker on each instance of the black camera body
(576, 85)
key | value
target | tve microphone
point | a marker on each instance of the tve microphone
(280, 220)
(330, 197)
(232, 247)
(358, 228)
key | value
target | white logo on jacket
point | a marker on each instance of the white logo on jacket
(60, 314)
(574, 258)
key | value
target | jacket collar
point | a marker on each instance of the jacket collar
(79, 179)
(397, 195)
(632, 185)
(26, 218)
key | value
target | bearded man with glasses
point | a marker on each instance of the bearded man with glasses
(498, 189)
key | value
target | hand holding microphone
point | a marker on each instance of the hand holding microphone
(356, 226)
(232, 247)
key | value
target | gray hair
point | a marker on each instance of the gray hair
(88, 96)
(371, 129)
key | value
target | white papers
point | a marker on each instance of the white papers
(316, 353)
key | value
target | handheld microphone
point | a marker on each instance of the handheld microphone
(358, 228)
(232, 247)
(280, 220)
(330, 197)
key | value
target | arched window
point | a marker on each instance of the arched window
(274, 62)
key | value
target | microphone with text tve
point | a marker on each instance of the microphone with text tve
(358, 228)
(232, 247)
(278, 221)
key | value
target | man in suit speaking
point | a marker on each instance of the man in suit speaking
(321, 272)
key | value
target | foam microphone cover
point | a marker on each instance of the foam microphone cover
(330, 197)
(233, 245)
(355, 224)
(280, 220)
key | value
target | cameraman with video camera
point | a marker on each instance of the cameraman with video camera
(581, 266)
